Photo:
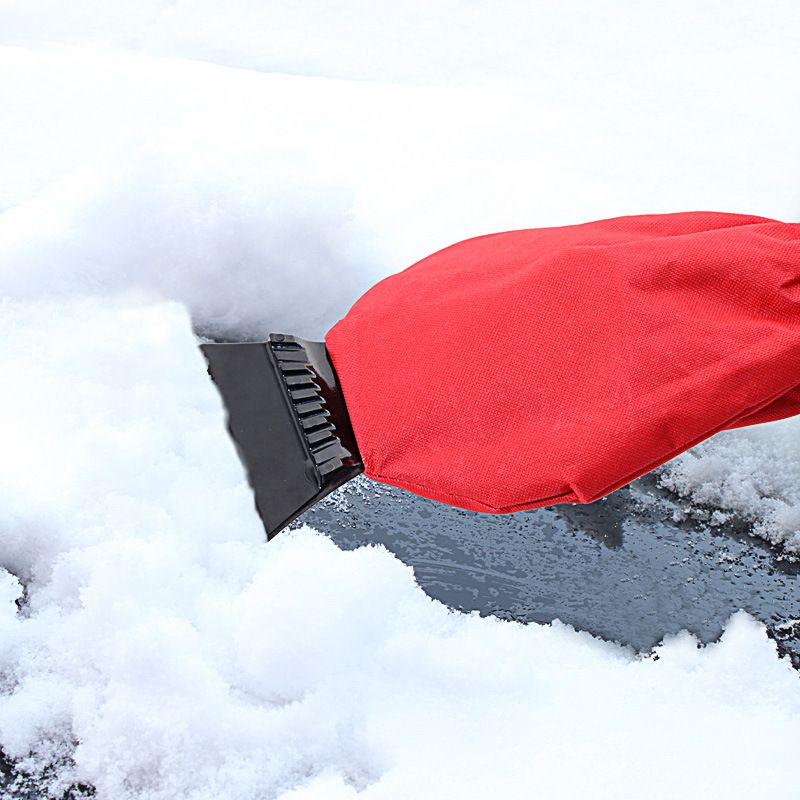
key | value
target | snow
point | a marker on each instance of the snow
(751, 474)
(187, 658)
(233, 169)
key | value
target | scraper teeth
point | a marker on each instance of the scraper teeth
(292, 366)
(301, 379)
(320, 434)
(304, 393)
(289, 420)
(290, 354)
(313, 421)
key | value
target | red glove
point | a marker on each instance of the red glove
(544, 366)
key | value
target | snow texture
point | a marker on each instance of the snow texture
(244, 167)
(752, 474)
(164, 650)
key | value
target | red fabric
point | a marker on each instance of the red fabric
(554, 365)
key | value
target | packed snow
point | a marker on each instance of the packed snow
(169, 169)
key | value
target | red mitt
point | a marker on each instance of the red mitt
(554, 365)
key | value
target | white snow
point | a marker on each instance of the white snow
(186, 658)
(752, 474)
(160, 169)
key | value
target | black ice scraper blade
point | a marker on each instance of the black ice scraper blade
(288, 419)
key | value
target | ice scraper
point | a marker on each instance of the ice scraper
(527, 368)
